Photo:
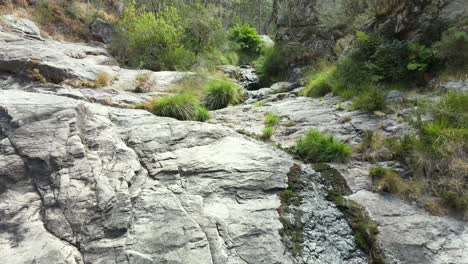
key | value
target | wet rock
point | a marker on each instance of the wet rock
(245, 75)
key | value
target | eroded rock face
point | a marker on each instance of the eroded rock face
(58, 61)
(94, 184)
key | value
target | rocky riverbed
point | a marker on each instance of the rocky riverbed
(85, 179)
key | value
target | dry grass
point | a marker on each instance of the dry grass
(37, 76)
(143, 85)
(103, 79)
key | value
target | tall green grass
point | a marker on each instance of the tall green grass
(318, 147)
(221, 93)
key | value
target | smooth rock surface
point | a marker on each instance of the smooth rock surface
(111, 190)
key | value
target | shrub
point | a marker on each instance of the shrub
(181, 107)
(453, 48)
(202, 114)
(272, 65)
(377, 60)
(178, 59)
(145, 36)
(37, 76)
(247, 38)
(271, 120)
(221, 93)
(143, 86)
(317, 147)
(371, 100)
(320, 82)
(267, 133)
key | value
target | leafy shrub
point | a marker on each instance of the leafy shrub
(317, 147)
(320, 82)
(178, 59)
(271, 120)
(371, 100)
(221, 93)
(376, 59)
(272, 65)
(453, 48)
(247, 38)
(181, 107)
(145, 36)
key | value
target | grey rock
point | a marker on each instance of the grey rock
(59, 61)
(113, 190)
(102, 30)
(267, 40)
(245, 75)
(393, 96)
(22, 26)
(457, 86)
(410, 235)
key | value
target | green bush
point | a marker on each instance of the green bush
(272, 65)
(320, 82)
(317, 147)
(453, 48)
(271, 120)
(221, 93)
(370, 100)
(178, 59)
(181, 107)
(146, 36)
(377, 60)
(247, 38)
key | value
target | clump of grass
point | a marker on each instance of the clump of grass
(221, 93)
(202, 114)
(271, 120)
(370, 100)
(267, 133)
(143, 86)
(260, 103)
(320, 82)
(181, 107)
(102, 80)
(37, 76)
(365, 230)
(376, 147)
(389, 181)
(317, 147)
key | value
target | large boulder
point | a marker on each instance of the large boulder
(102, 30)
(21, 25)
(83, 183)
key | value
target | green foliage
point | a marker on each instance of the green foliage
(181, 107)
(317, 147)
(221, 93)
(377, 60)
(453, 48)
(320, 82)
(272, 65)
(146, 36)
(271, 120)
(201, 114)
(370, 100)
(178, 59)
(267, 132)
(437, 153)
(247, 38)
(365, 230)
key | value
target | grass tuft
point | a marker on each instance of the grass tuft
(221, 93)
(317, 147)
